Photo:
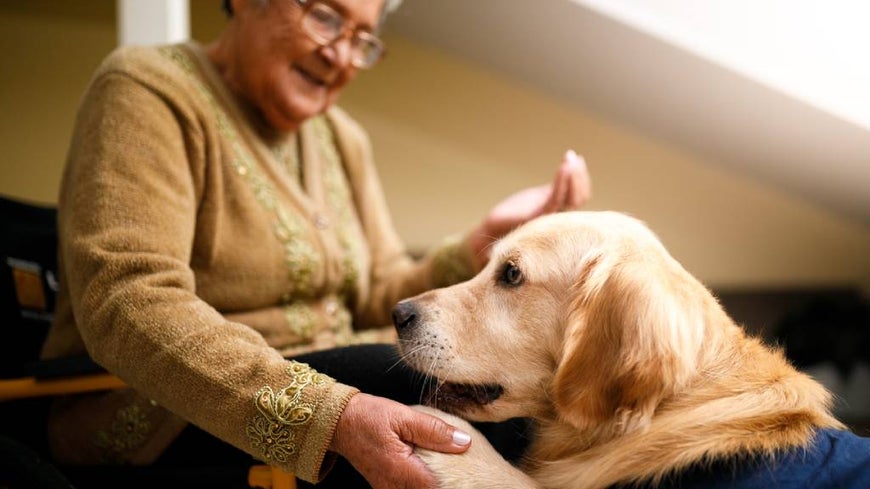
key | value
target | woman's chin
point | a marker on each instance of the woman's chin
(289, 117)
(284, 121)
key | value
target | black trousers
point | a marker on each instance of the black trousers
(374, 369)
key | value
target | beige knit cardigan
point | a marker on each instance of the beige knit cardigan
(196, 253)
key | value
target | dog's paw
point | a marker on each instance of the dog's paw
(480, 467)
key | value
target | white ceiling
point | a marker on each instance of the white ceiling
(721, 82)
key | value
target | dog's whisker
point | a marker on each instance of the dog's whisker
(423, 376)
(407, 353)
(433, 365)
(448, 374)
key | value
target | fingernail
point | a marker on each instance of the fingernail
(461, 438)
(572, 157)
(576, 159)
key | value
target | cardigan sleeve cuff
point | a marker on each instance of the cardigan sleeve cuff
(293, 424)
(452, 262)
(316, 460)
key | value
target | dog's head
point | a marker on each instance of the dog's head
(579, 316)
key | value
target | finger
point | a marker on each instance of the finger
(580, 190)
(432, 433)
(560, 186)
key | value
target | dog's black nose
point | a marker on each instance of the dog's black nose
(404, 315)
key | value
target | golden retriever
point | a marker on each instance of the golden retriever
(631, 370)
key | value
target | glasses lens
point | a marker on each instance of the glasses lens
(325, 26)
(367, 50)
(323, 23)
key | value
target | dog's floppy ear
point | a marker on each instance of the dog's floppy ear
(631, 341)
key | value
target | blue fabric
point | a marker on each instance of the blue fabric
(836, 459)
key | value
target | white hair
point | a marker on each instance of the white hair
(391, 5)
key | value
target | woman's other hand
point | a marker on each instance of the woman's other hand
(570, 190)
(377, 436)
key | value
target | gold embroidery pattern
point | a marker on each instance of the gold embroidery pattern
(178, 57)
(301, 258)
(287, 153)
(340, 323)
(339, 199)
(272, 432)
(302, 319)
(127, 433)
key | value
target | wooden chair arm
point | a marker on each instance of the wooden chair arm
(28, 387)
(269, 477)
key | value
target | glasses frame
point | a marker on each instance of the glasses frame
(357, 37)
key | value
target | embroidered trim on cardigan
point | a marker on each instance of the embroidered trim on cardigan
(339, 198)
(271, 432)
(301, 258)
(129, 429)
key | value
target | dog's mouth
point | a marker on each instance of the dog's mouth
(454, 395)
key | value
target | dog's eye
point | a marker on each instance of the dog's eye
(511, 275)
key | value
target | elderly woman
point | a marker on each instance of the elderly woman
(223, 230)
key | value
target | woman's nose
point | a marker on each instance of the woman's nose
(340, 51)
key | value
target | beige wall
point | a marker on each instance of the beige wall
(50, 48)
(451, 139)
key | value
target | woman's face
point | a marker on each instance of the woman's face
(283, 72)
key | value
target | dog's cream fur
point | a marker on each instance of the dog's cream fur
(627, 363)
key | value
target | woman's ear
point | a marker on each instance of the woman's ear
(629, 344)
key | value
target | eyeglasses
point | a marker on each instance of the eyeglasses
(324, 26)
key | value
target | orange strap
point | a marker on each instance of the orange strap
(268, 477)
(26, 387)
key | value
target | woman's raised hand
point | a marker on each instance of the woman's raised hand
(570, 189)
